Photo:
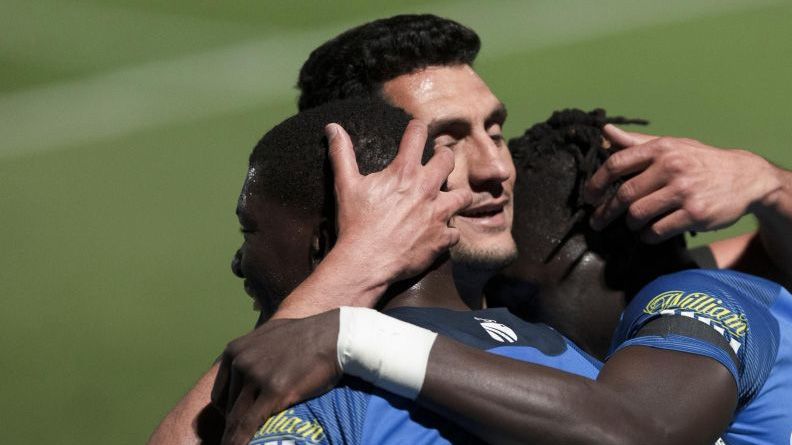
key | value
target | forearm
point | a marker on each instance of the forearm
(518, 402)
(768, 251)
(190, 422)
(341, 279)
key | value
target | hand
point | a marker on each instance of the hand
(395, 221)
(679, 185)
(279, 364)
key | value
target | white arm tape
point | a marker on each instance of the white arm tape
(389, 353)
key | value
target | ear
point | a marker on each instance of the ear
(323, 239)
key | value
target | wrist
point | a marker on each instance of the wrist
(777, 193)
(338, 280)
(363, 257)
(388, 353)
(360, 282)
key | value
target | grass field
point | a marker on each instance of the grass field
(125, 127)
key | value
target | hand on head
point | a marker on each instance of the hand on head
(676, 185)
(399, 216)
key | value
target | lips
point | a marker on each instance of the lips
(484, 210)
(488, 216)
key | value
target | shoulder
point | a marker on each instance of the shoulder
(722, 314)
(337, 416)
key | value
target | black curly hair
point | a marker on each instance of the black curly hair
(357, 62)
(290, 161)
(554, 159)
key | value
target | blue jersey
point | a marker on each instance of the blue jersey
(357, 413)
(752, 321)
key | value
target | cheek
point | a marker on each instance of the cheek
(507, 159)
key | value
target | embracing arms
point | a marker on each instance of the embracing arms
(642, 395)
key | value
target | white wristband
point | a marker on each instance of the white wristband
(389, 353)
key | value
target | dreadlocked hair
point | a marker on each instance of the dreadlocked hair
(554, 160)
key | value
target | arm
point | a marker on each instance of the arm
(392, 225)
(191, 415)
(642, 396)
(682, 184)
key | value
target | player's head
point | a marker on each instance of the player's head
(554, 159)
(422, 64)
(287, 208)
(359, 61)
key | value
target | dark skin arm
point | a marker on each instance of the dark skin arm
(642, 396)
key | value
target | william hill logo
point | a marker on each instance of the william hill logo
(288, 425)
(706, 308)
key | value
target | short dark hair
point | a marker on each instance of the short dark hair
(290, 162)
(357, 62)
(554, 159)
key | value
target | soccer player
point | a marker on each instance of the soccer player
(421, 63)
(277, 205)
(698, 355)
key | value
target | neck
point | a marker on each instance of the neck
(570, 293)
(447, 285)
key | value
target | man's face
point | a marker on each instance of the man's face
(274, 257)
(463, 114)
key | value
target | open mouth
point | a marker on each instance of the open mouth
(484, 210)
(489, 216)
(482, 213)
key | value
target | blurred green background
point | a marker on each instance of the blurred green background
(126, 124)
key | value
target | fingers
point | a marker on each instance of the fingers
(453, 237)
(675, 223)
(245, 419)
(650, 207)
(220, 388)
(236, 380)
(439, 167)
(342, 155)
(628, 195)
(451, 202)
(625, 138)
(619, 164)
(411, 147)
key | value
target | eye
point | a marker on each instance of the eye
(495, 133)
(445, 140)
(245, 231)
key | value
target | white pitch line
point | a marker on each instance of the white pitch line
(253, 73)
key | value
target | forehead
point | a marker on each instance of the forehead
(247, 189)
(442, 92)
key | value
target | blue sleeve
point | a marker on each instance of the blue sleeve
(334, 418)
(734, 305)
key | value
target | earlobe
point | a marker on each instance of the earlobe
(322, 241)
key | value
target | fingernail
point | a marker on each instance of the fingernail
(331, 131)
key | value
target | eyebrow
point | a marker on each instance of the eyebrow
(496, 116)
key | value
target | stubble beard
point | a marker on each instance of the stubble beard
(489, 259)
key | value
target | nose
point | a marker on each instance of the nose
(236, 264)
(488, 165)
